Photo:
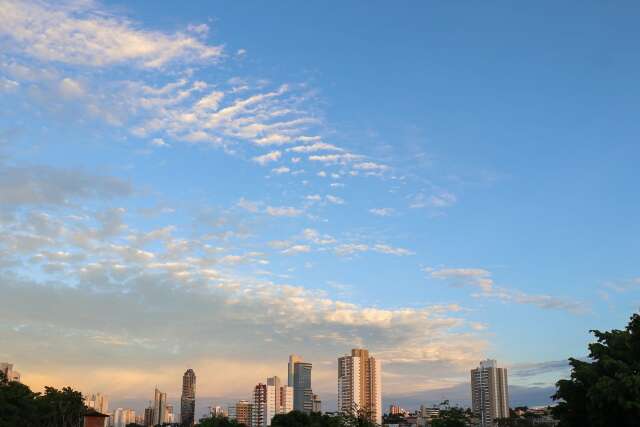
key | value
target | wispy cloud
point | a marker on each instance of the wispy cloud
(81, 34)
(481, 279)
(382, 211)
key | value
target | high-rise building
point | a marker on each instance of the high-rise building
(218, 411)
(293, 359)
(188, 399)
(274, 393)
(302, 392)
(243, 412)
(282, 394)
(359, 385)
(159, 408)
(9, 373)
(489, 392)
(169, 415)
(148, 416)
(286, 399)
(121, 417)
(317, 404)
(260, 410)
(100, 403)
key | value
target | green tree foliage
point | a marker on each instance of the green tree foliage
(219, 421)
(18, 404)
(450, 417)
(20, 407)
(605, 390)
(300, 419)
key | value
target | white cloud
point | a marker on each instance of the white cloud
(390, 250)
(371, 167)
(281, 170)
(442, 199)
(382, 211)
(248, 205)
(335, 158)
(267, 158)
(472, 276)
(346, 249)
(297, 249)
(81, 34)
(334, 199)
(318, 146)
(481, 278)
(70, 88)
(283, 211)
(159, 142)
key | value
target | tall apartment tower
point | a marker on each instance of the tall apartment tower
(489, 392)
(9, 373)
(243, 412)
(302, 392)
(359, 385)
(293, 359)
(282, 394)
(263, 405)
(159, 407)
(188, 398)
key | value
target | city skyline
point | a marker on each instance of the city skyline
(216, 186)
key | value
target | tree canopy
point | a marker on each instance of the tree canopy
(20, 407)
(604, 390)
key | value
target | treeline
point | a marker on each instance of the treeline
(21, 407)
(296, 419)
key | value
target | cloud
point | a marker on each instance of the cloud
(371, 167)
(46, 186)
(159, 142)
(267, 158)
(481, 279)
(297, 249)
(468, 276)
(70, 88)
(335, 158)
(318, 146)
(149, 281)
(390, 250)
(81, 34)
(440, 200)
(316, 237)
(334, 199)
(382, 211)
(283, 211)
(281, 170)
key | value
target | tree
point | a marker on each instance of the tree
(450, 416)
(20, 407)
(219, 421)
(301, 419)
(604, 390)
(18, 404)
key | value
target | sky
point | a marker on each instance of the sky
(216, 185)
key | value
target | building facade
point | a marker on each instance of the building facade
(293, 359)
(489, 392)
(9, 373)
(302, 392)
(317, 404)
(159, 408)
(243, 412)
(188, 398)
(360, 386)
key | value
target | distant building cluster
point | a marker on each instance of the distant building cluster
(359, 394)
(9, 373)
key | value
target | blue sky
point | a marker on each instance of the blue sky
(437, 182)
